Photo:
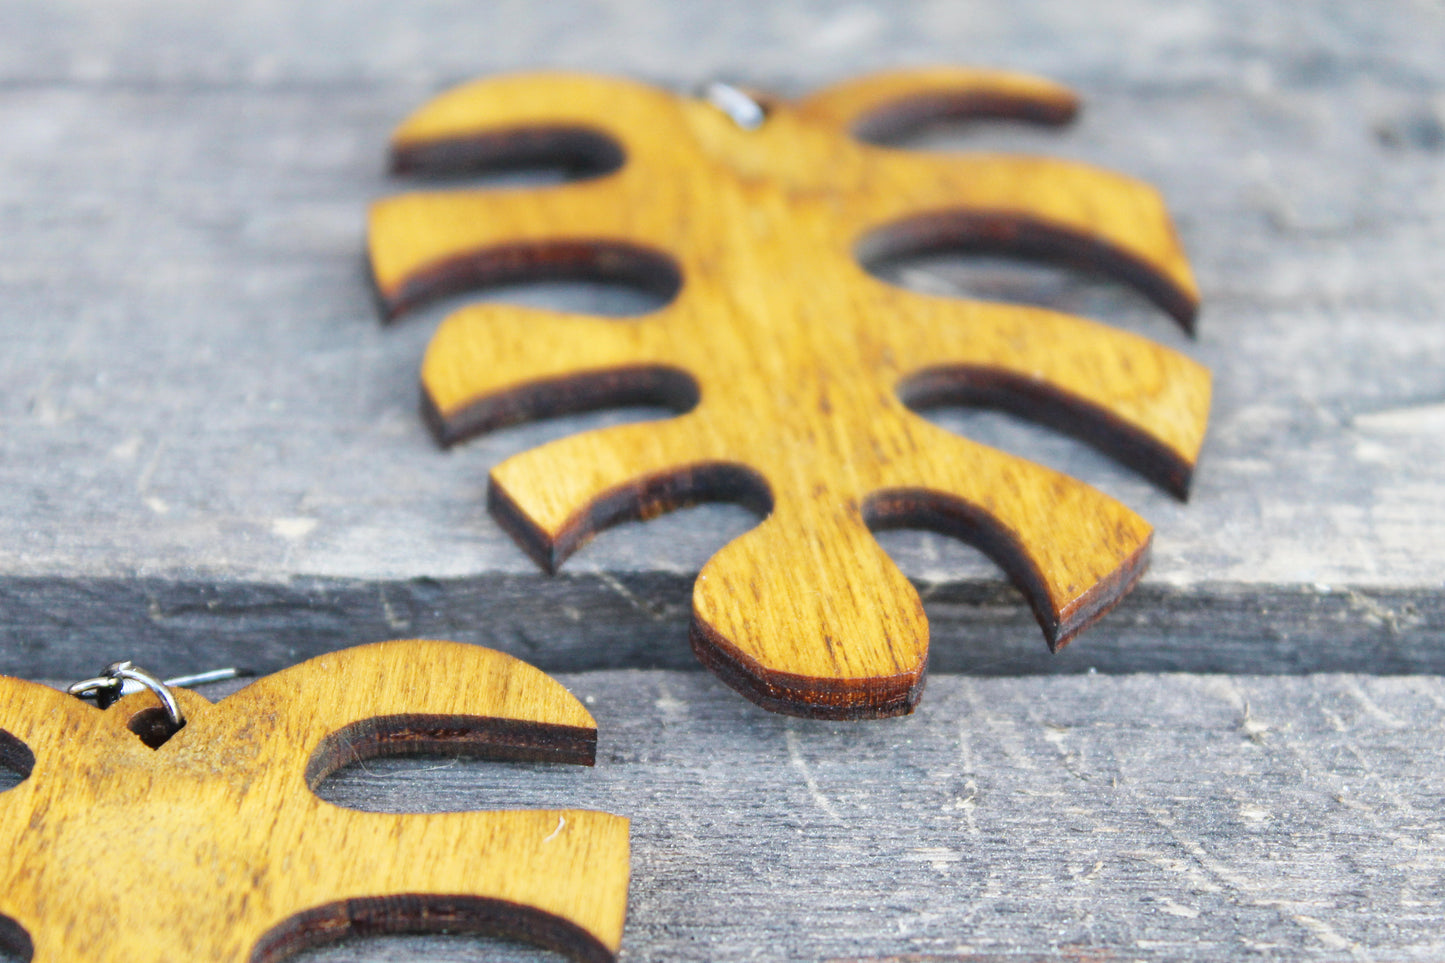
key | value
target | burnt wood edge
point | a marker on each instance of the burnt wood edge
(1097, 602)
(573, 393)
(808, 697)
(480, 737)
(645, 498)
(1048, 406)
(427, 913)
(933, 511)
(563, 259)
(578, 151)
(1017, 235)
(892, 122)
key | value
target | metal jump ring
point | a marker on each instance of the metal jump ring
(737, 103)
(107, 687)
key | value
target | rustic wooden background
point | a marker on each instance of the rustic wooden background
(210, 454)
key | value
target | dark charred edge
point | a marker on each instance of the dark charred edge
(591, 391)
(1052, 408)
(15, 939)
(527, 534)
(577, 259)
(897, 120)
(1010, 234)
(645, 498)
(806, 697)
(578, 151)
(478, 737)
(1108, 592)
(427, 913)
(15, 756)
(936, 512)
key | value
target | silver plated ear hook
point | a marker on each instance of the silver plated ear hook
(737, 103)
(111, 684)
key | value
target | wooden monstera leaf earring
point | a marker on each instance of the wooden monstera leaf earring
(792, 368)
(166, 829)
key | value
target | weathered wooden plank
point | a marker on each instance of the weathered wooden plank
(1178, 817)
(209, 453)
(271, 42)
(602, 620)
(198, 390)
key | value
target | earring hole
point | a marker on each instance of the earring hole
(154, 726)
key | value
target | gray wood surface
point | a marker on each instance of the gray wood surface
(1155, 817)
(210, 454)
(203, 419)
(1083, 818)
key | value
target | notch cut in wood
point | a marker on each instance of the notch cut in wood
(792, 368)
(213, 846)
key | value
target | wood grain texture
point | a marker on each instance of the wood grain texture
(153, 481)
(588, 621)
(795, 368)
(209, 451)
(1159, 817)
(213, 845)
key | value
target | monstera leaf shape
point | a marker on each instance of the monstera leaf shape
(792, 368)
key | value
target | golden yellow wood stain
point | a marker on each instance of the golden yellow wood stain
(214, 847)
(791, 362)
